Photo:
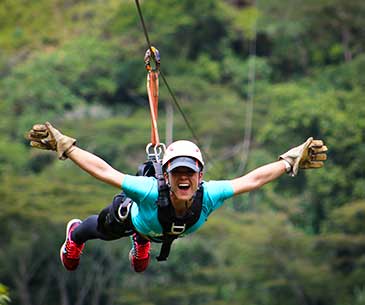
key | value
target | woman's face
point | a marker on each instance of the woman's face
(184, 182)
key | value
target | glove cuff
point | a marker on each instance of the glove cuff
(288, 166)
(65, 145)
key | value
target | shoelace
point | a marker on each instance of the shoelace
(73, 250)
(141, 250)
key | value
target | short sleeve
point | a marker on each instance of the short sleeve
(138, 188)
(217, 192)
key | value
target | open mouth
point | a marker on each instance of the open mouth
(183, 186)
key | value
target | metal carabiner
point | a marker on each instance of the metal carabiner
(148, 151)
(154, 151)
(153, 56)
(159, 149)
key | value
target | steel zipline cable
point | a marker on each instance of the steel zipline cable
(173, 96)
(246, 145)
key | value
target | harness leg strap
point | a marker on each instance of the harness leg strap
(165, 248)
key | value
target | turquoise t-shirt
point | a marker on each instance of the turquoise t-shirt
(144, 192)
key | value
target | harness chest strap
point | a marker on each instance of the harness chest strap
(173, 226)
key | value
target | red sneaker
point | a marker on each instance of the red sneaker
(139, 256)
(70, 252)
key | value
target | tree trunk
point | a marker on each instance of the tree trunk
(345, 43)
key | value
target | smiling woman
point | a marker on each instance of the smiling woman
(188, 200)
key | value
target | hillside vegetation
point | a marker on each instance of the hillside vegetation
(271, 72)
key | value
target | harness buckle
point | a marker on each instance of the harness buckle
(123, 210)
(175, 229)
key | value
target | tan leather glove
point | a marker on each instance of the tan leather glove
(45, 136)
(310, 154)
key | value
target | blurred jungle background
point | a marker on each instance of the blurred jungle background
(254, 78)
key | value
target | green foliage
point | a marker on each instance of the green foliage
(4, 295)
(348, 219)
(347, 76)
(12, 156)
(61, 82)
(79, 64)
(247, 77)
(332, 114)
(59, 21)
(27, 27)
(245, 20)
(313, 33)
(273, 264)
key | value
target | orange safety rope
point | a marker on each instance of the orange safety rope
(152, 56)
(152, 89)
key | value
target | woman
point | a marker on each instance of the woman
(190, 200)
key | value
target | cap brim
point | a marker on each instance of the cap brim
(183, 162)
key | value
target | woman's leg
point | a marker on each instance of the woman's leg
(88, 229)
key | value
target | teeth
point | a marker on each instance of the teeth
(184, 186)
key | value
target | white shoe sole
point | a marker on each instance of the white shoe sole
(69, 224)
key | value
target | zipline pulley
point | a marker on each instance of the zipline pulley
(152, 57)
